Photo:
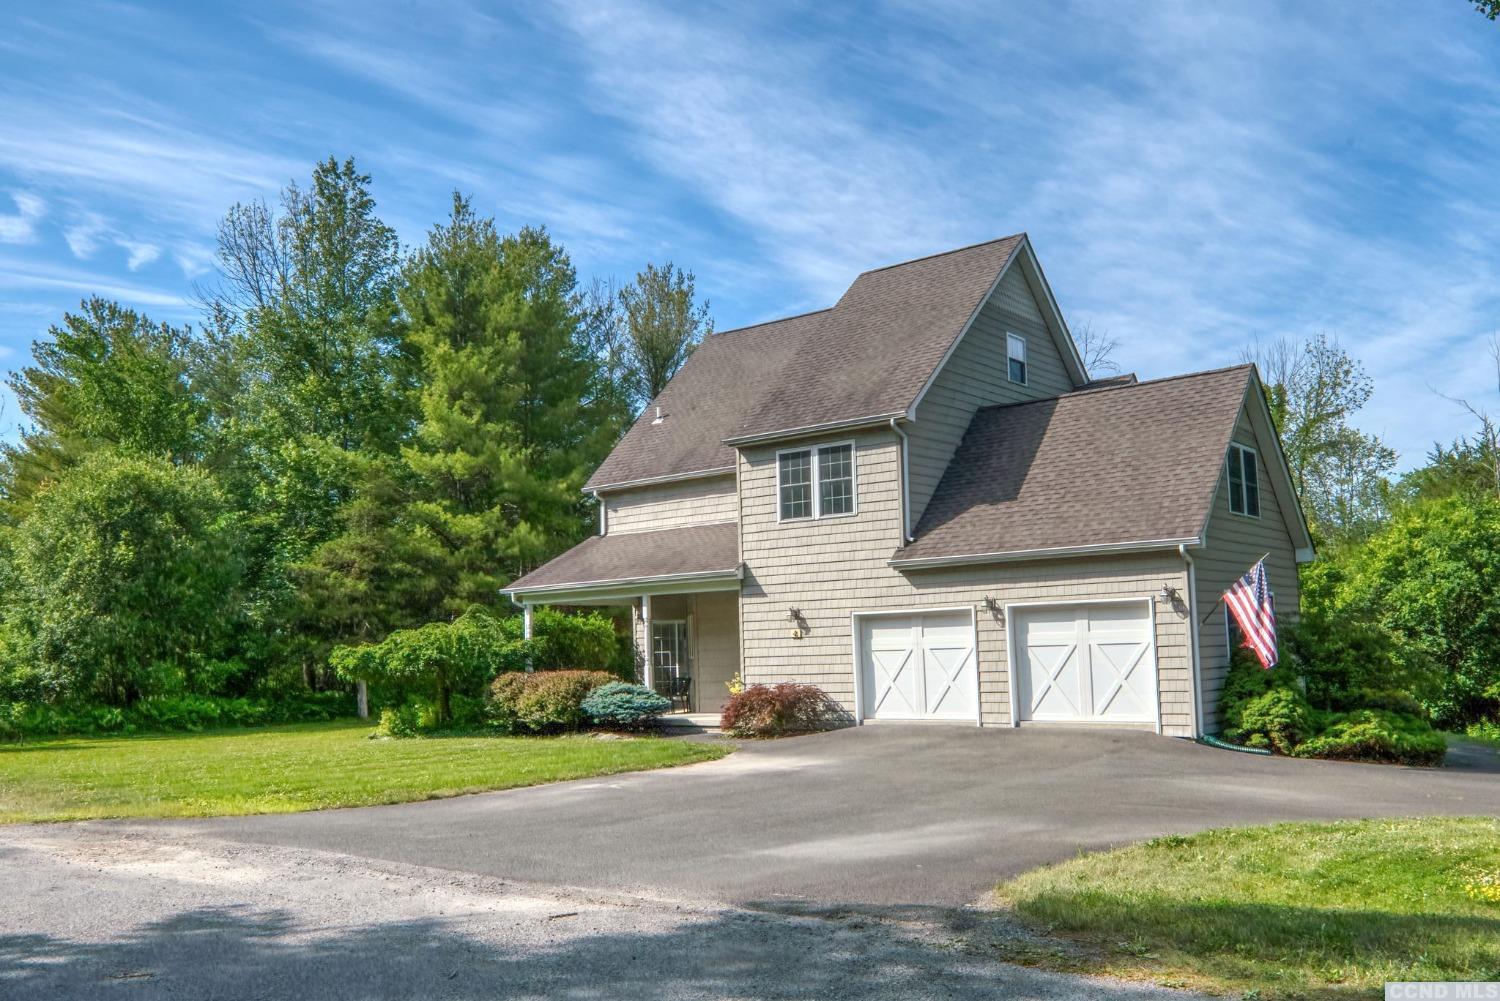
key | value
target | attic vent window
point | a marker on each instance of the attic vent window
(1244, 481)
(1015, 350)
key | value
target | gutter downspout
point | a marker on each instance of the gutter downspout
(905, 486)
(603, 513)
(1192, 603)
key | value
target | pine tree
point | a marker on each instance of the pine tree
(509, 424)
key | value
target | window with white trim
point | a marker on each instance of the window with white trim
(815, 482)
(1015, 352)
(1244, 481)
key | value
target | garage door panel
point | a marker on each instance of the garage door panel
(949, 680)
(1121, 676)
(918, 666)
(895, 681)
(1090, 663)
(1055, 690)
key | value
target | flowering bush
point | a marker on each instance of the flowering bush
(774, 710)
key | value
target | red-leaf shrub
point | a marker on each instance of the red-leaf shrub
(773, 710)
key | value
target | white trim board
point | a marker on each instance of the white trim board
(1020, 555)
(605, 592)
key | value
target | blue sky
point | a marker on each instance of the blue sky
(1193, 175)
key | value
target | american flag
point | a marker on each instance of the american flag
(1249, 600)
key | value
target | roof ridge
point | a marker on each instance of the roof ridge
(770, 323)
(1114, 389)
(944, 253)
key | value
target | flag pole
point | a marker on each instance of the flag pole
(1216, 604)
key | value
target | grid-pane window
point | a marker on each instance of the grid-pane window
(1244, 481)
(1015, 349)
(816, 482)
(836, 479)
(795, 476)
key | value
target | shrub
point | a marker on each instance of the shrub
(1487, 731)
(1342, 658)
(168, 714)
(586, 641)
(1279, 719)
(774, 710)
(1261, 708)
(623, 705)
(541, 702)
(10, 726)
(435, 661)
(1377, 735)
(400, 721)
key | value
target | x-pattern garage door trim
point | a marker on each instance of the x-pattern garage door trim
(868, 703)
(1053, 675)
(1146, 652)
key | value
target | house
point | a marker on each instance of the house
(920, 501)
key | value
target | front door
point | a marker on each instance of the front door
(671, 671)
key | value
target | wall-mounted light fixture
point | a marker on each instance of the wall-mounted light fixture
(1168, 593)
(991, 605)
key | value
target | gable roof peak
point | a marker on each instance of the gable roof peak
(1020, 237)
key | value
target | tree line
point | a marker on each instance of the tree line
(1408, 568)
(357, 438)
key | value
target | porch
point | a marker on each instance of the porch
(681, 587)
(688, 647)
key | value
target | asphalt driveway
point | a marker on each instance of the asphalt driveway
(822, 868)
(878, 815)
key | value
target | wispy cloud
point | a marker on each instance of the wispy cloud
(20, 226)
(85, 234)
(1193, 175)
(27, 275)
(138, 254)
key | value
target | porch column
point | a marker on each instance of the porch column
(646, 640)
(526, 628)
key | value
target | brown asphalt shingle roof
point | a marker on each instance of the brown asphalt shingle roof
(1133, 463)
(704, 403)
(635, 555)
(868, 356)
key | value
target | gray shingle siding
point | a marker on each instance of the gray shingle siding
(977, 376)
(671, 505)
(831, 568)
(1232, 544)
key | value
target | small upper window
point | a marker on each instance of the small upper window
(815, 482)
(1015, 350)
(1244, 481)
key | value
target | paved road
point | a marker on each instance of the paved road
(878, 815)
(822, 867)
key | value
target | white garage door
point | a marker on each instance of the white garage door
(918, 666)
(1090, 663)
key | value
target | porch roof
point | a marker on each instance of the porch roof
(697, 558)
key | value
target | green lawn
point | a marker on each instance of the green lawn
(1293, 910)
(311, 766)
